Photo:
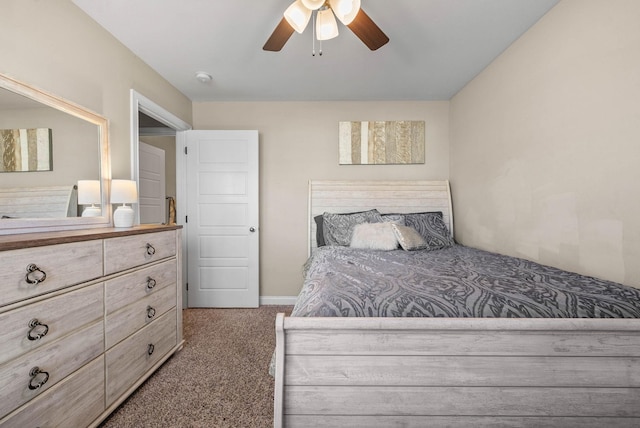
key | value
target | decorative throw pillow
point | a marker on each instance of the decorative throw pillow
(338, 228)
(374, 236)
(393, 218)
(432, 228)
(409, 238)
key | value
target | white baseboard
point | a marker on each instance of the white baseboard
(278, 300)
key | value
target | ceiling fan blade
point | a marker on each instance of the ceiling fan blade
(279, 36)
(367, 31)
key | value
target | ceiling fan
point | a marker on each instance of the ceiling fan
(298, 14)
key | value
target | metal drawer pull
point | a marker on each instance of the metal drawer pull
(37, 278)
(150, 250)
(37, 330)
(150, 312)
(150, 349)
(150, 283)
(39, 377)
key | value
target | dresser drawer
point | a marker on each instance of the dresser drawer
(125, 289)
(63, 265)
(56, 317)
(56, 360)
(133, 357)
(135, 250)
(133, 317)
(75, 402)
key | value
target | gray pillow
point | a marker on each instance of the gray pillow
(432, 228)
(319, 231)
(393, 218)
(338, 228)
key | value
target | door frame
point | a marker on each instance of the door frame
(140, 103)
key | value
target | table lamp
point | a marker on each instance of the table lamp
(123, 192)
(89, 193)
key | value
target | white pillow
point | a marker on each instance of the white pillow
(409, 238)
(374, 236)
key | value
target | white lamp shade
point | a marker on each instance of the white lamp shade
(326, 25)
(297, 16)
(313, 4)
(88, 192)
(123, 192)
(345, 10)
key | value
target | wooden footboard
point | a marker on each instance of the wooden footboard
(417, 372)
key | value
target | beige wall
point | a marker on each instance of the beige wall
(71, 139)
(55, 46)
(299, 142)
(545, 144)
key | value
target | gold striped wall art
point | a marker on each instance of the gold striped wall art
(25, 150)
(381, 142)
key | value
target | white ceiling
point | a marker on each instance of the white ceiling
(435, 48)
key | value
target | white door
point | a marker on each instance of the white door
(222, 218)
(152, 191)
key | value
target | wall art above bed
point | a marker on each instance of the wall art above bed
(25, 150)
(381, 142)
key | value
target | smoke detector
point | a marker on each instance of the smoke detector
(203, 77)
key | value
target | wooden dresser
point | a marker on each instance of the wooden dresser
(85, 318)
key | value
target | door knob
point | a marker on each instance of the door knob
(252, 229)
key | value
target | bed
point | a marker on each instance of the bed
(502, 352)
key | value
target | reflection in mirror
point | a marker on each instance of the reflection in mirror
(157, 171)
(72, 139)
(37, 199)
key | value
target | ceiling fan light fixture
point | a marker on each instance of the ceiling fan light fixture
(313, 4)
(326, 25)
(349, 12)
(297, 15)
(345, 10)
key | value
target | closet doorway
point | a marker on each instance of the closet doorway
(235, 285)
(161, 123)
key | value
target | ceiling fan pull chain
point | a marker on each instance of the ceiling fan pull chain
(313, 36)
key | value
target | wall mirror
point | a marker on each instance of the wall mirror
(72, 192)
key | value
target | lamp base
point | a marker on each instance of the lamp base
(92, 211)
(123, 216)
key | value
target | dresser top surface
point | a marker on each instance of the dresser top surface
(28, 240)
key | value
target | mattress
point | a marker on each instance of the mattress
(458, 281)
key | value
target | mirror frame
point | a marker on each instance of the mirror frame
(64, 223)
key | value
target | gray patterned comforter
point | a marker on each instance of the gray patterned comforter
(454, 282)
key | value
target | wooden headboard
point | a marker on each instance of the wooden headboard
(39, 202)
(385, 196)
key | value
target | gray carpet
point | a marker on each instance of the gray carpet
(220, 378)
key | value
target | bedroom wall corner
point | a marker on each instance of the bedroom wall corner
(544, 144)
